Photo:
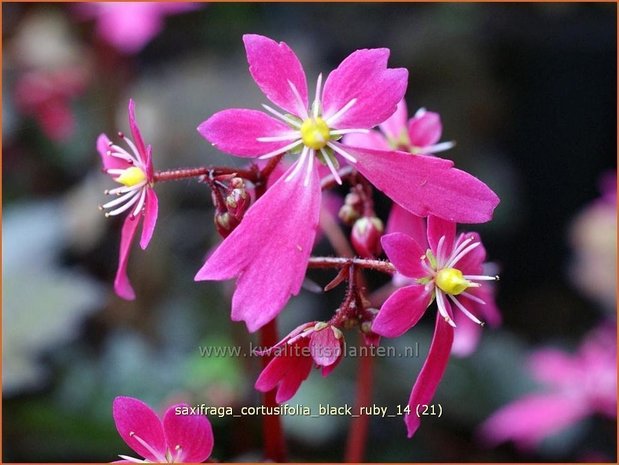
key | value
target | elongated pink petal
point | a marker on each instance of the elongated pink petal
(273, 65)
(473, 262)
(371, 140)
(395, 125)
(189, 437)
(401, 311)
(236, 131)
(437, 228)
(532, 418)
(401, 220)
(135, 132)
(431, 372)
(108, 161)
(268, 251)
(425, 129)
(325, 347)
(148, 163)
(151, 210)
(427, 185)
(405, 253)
(134, 418)
(364, 76)
(122, 286)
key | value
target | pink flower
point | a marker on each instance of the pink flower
(315, 342)
(444, 268)
(182, 436)
(419, 135)
(576, 386)
(133, 169)
(129, 26)
(268, 251)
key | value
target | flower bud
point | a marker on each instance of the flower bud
(225, 223)
(237, 199)
(365, 236)
(352, 209)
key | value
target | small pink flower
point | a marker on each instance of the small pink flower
(129, 26)
(419, 135)
(268, 251)
(133, 169)
(447, 269)
(575, 386)
(315, 342)
(181, 437)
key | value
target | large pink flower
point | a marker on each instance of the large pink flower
(447, 269)
(268, 251)
(315, 342)
(575, 386)
(182, 436)
(133, 169)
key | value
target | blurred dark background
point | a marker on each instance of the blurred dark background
(528, 92)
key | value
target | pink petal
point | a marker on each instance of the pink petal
(425, 130)
(128, 26)
(122, 286)
(288, 371)
(401, 220)
(401, 311)
(472, 262)
(395, 125)
(467, 336)
(236, 131)
(437, 228)
(371, 140)
(427, 185)
(268, 251)
(108, 161)
(193, 433)
(325, 347)
(151, 210)
(273, 65)
(291, 383)
(431, 372)
(364, 76)
(532, 418)
(405, 253)
(135, 132)
(554, 367)
(133, 417)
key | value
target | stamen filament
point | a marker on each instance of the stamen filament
(465, 311)
(442, 309)
(341, 132)
(138, 208)
(331, 119)
(439, 250)
(148, 447)
(310, 165)
(474, 298)
(136, 152)
(441, 147)
(316, 104)
(299, 165)
(115, 171)
(341, 151)
(332, 168)
(119, 200)
(276, 152)
(476, 277)
(457, 258)
(281, 116)
(283, 137)
(125, 207)
(124, 189)
(301, 104)
(131, 459)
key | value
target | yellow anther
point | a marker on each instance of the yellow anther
(131, 177)
(451, 281)
(315, 133)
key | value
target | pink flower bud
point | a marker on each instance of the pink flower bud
(366, 235)
(237, 200)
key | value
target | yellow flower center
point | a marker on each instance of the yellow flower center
(315, 133)
(131, 176)
(451, 281)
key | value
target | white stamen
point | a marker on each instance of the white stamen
(138, 209)
(316, 104)
(136, 152)
(310, 165)
(465, 311)
(132, 459)
(179, 455)
(122, 154)
(442, 309)
(332, 168)
(115, 171)
(427, 266)
(147, 447)
(341, 151)
(281, 116)
(419, 113)
(474, 298)
(279, 151)
(441, 147)
(331, 119)
(124, 189)
(299, 165)
(457, 258)
(341, 132)
(476, 277)
(126, 206)
(300, 103)
(119, 200)
(283, 137)
(439, 251)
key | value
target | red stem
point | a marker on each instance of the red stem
(185, 173)
(274, 445)
(339, 262)
(357, 436)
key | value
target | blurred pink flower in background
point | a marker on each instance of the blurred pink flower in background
(576, 386)
(181, 437)
(129, 26)
(132, 169)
